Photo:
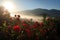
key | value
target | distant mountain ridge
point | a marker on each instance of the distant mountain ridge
(40, 12)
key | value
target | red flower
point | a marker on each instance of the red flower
(30, 27)
(15, 15)
(48, 18)
(42, 32)
(52, 24)
(35, 25)
(29, 33)
(45, 30)
(41, 24)
(9, 27)
(18, 16)
(48, 29)
(24, 24)
(37, 38)
(16, 28)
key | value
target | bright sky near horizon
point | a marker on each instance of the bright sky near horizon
(33, 4)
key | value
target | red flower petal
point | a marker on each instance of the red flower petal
(16, 28)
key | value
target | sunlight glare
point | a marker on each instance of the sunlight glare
(9, 5)
(12, 15)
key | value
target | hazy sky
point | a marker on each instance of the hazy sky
(33, 4)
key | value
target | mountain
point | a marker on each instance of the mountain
(40, 12)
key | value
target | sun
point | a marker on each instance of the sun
(9, 5)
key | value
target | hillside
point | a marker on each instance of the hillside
(40, 12)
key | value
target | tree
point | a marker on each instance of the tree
(4, 14)
(1, 11)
